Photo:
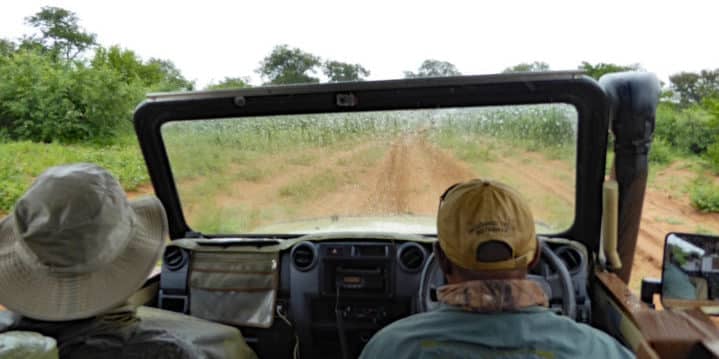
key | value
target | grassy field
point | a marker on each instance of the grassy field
(21, 162)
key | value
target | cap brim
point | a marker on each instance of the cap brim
(54, 296)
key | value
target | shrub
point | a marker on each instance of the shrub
(661, 152)
(690, 130)
(705, 196)
(43, 100)
(123, 159)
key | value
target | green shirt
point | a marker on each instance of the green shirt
(454, 333)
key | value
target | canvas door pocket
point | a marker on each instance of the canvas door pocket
(234, 287)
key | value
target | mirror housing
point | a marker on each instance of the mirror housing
(690, 272)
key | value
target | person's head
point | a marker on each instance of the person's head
(485, 231)
(74, 246)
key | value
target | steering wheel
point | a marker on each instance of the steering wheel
(432, 278)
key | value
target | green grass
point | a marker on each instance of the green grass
(21, 162)
(472, 149)
(227, 220)
(368, 157)
(669, 220)
(704, 195)
(302, 159)
(252, 174)
(310, 188)
(704, 230)
(661, 152)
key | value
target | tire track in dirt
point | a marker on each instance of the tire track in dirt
(407, 180)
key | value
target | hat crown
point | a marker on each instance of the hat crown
(480, 215)
(74, 218)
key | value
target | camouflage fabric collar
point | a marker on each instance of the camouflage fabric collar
(493, 295)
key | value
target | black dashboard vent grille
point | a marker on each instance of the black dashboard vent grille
(304, 256)
(174, 258)
(411, 256)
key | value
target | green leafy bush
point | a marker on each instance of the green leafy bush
(43, 100)
(690, 130)
(661, 152)
(705, 196)
(123, 159)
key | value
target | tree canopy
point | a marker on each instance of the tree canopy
(49, 93)
(60, 32)
(693, 87)
(230, 83)
(536, 66)
(434, 68)
(600, 69)
(340, 71)
(285, 65)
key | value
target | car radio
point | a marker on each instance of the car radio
(356, 269)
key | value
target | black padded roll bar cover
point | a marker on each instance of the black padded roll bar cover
(633, 99)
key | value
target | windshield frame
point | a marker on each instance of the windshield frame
(410, 94)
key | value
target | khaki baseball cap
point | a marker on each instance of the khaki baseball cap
(481, 216)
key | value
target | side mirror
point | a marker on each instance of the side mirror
(690, 272)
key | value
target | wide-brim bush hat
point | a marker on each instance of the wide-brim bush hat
(74, 246)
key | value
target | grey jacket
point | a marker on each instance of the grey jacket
(144, 333)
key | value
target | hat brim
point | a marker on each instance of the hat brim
(54, 296)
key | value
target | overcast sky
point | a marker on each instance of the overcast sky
(211, 39)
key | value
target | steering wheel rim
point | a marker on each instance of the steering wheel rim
(431, 271)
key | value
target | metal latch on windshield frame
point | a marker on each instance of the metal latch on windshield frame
(346, 100)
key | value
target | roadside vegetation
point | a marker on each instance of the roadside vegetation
(65, 98)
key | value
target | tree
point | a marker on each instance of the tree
(60, 31)
(341, 71)
(153, 75)
(167, 76)
(536, 66)
(600, 69)
(285, 65)
(7, 47)
(693, 87)
(230, 83)
(434, 68)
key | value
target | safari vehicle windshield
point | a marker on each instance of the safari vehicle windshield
(377, 171)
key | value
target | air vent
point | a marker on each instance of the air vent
(411, 257)
(304, 256)
(174, 258)
(571, 258)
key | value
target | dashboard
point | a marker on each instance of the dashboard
(334, 292)
(346, 289)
